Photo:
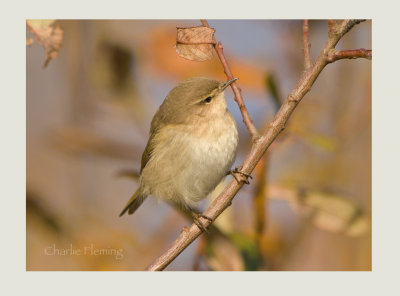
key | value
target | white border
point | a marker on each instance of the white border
(386, 195)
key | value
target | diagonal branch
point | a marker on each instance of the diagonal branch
(236, 90)
(224, 200)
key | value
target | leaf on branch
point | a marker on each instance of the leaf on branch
(196, 43)
(48, 34)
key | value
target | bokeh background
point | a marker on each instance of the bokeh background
(88, 115)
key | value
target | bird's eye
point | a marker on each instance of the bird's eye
(207, 100)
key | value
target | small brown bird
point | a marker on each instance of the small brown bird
(192, 145)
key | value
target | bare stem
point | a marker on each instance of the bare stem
(349, 54)
(224, 200)
(236, 90)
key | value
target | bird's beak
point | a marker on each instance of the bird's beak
(227, 83)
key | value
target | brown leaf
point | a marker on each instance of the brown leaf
(164, 61)
(49, 35)
(195, 43)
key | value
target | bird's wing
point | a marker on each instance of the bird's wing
(147, 152)
(156, 124)
(164, 117)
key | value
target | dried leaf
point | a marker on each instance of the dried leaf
(165, 61)
(49, 35)
(195, 43)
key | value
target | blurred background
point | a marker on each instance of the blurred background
(88, 115)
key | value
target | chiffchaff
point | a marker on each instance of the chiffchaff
(192, 145)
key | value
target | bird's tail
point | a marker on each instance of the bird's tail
(134, 202)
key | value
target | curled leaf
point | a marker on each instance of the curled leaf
(195, 43)
(47, 34)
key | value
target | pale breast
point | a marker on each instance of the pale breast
(188, 165)
(213, 157)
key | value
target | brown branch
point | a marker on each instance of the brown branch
(306, 46)
(341, 27)
(335, 55)
(224, 200)
(194, 42)
(236, 90)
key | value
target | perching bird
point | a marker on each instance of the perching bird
(192, 145)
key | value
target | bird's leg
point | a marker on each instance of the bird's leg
(196, 219)
(244, 177)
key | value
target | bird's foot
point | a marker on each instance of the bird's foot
(196, 219)
(239, 175)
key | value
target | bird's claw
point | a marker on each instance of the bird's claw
(238, 171)
(196, 219)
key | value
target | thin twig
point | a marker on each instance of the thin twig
(224, 200)
(306, 46)
(236, 90)
(335, 55)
